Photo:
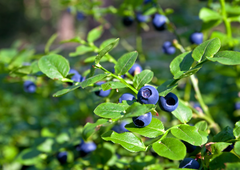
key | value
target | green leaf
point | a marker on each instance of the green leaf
(210, 24)
(29, 156)
(226, 57)
(67, 90)
(92, 59)
(150, 11)
(202, 126)
(220, 161)
(225, 135)
(232, 166)
(106, 42)
(207, 14)
(181, 63)
(125, 62)
(206, 49)
(6, 55)
(188, 134)
(142, 78)
(167, 87)
(137, 109)
(127, 140)
(54, 66)
(236, 130)
(93, 80)
(109, 110)
(237, 148)
(74, 40)
(153, 130)
(218, 147)
(112, 85)
(182, 113)
(46, 145)
(94, 34)
(80, 50)
(90, 128)
(50, 41)
(170, 148)
(104, 51)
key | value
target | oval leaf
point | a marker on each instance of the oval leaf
(206, 49)
(137, 109)
(226, 57)
(93, 80)
(104, 51)
(143, 78)
(112, 85)
(67, 90)
(109, 110)
(54, 66)
(127, 140)
(94, 34)
(154, 129)
(182, 113)
(125, 62)
(188, 134)
(90, 128)
(170, 148)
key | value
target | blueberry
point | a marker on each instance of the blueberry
(80, 16)
(147, 1)
(196, 38)
(62, 157)
(189, 163)
(148, 95)
(142, 18)
(29, 86)
(126, 96)
(127, 21)
(86, 148)
(120, 128)
(143, 120)
(135, 69)
(237, 106)
(190, 148)
(159, 22)
(168, 48)
(168, 103)
(102, 93)
(229, 148)
(76, 76)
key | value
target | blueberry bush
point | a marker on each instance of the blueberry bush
(103, 104)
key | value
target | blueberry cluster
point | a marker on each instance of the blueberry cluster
(29, 86)
(149, 95)
(76, 77)
(168, 48)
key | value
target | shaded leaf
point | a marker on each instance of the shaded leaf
(127, 140)
(137, 109)
(226, 57)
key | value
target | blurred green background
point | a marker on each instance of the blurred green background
(26, 120)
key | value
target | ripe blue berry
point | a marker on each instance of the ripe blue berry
(29, 86)
(76, 76)
(142, 18)
(102, 93)
(168, 103)
(147, 1)
(62, 157)
(120, 128)
(159, 22)
(148, 95)
(86, 148)
(190, 148)
(196, 38)
(142, 120)
(168, 48)
(126, 96)
(80, 16)
(135, 69)
(189, 163)
(127, 21)
(237, 106)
